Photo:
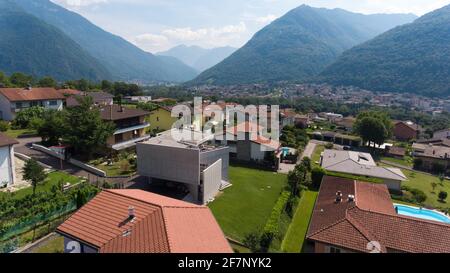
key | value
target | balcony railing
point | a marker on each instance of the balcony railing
(129, 143)
(132, 128)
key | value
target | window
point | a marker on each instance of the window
(19, 105)
(157, 119)
(335, 250)
(53, 103)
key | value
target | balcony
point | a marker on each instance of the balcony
(132, 128)
(129, 143)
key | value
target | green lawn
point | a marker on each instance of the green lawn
(424, 182)
(118, 168)
(317, 153)
(17, 133)
(52, 179)
(54, 245)
(407, 161)
(245, 207)
(295, 237)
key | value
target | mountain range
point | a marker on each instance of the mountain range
(29, 45)
(299, 45)
(413, 58)
(114, 57)
(198, 57)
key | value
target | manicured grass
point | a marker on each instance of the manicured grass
(54, 245)
(406, 161)
(245, 207)
(17, 133)
(239, 248)
(424, 182)
(53, 179)
(117, 168)
(317, 153)
(296, 234)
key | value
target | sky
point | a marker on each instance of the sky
(158, 25)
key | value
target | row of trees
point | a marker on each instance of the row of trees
(374, 126)
(21, 80)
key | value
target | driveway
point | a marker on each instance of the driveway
(308, 152)
(24, 147)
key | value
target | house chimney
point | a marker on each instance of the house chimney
(339, 197)
(131, 212)
(29, 87)
(351, 198)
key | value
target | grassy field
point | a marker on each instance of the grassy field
(295, 237)
(316, 155)
(245, 207)
(118, 168)
(53, 179)
(53, 245)
(406, 161)
(424, 183)
(18, 133)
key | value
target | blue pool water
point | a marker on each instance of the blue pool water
(285, 151)
(422, 214)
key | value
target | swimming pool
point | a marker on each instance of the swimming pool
(422, 214)
(285, 151)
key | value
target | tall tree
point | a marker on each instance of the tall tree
(47, 82)
(21, 80)
(84, 129)
(374, 127)
(34, 173)
(49, 127)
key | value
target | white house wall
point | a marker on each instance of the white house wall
(6, 166)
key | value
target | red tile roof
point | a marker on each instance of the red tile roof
(371, 218)
(21, 94)
(115, 112)
(250, 127)
(6, 140)
(161, 225)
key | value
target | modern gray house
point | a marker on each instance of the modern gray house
(194, 160)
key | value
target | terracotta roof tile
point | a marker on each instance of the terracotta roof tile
(114, 112)
(371, 217)
(21, 94)
(161, 225)
(7, 141)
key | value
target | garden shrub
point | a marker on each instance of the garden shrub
(4, 126)
(271, 229)
(317, 175)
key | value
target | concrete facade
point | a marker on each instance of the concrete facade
(201, 168)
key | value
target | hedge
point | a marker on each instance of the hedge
(271, 229)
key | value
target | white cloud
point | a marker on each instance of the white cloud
(151, 42)
(209, 37)
(266, 19)
(79, 3)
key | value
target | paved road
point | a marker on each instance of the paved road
(308, 152)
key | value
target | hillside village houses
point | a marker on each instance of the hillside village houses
(7, 168)
(13, 100)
